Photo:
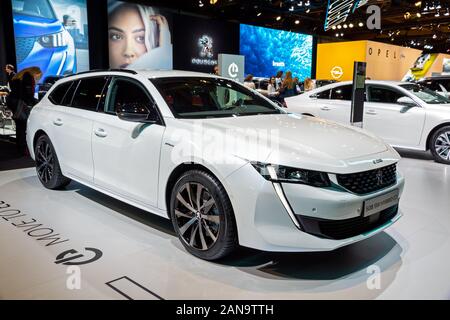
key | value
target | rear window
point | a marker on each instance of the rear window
(88, 93)
(57, 95)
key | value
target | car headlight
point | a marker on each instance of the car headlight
(277, 173)
(53, 40)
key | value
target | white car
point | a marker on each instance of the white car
(405, 115)
(165, 142)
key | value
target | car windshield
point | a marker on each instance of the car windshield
(192, 97)
(35, 8)
(425, 94)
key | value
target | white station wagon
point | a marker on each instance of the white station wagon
(190, 147)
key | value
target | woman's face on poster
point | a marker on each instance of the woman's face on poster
(126, 34)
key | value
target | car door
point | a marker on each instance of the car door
(397, 124)
(126, 154)
(73, 127)
(338, 107)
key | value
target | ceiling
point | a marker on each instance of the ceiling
(418, 24)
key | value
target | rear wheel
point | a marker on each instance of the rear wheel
(47, 165)
(440, 145)
(202, 216)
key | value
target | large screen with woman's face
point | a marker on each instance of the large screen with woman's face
(267, 51)
(139, 37)
(51, 35)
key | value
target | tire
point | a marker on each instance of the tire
(440, 145)
(47, 165)
(209, 233)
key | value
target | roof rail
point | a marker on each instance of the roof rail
(102, 70)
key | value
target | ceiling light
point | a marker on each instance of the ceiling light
(333, 27)
(418, 3)
(200, 4)
(339, 27)
(213, 1)
(437, 14)
(351, 25)
(345, 26)
(418, 15)
(307, 3)
(297, 21)
(291, 8)
(342, 34)
(300, 3)
(259, 13)
(434, 36)
(337, 34)
(438, 6)
(361, 24)
(308, 10)
(278, 18)
(447, 13)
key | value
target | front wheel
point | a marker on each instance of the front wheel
(47, 165)
(202, 216)
(440, 145)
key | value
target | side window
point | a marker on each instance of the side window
(323, 95)
(88, 93)
(384, 95)
(129, 95)
(445, 84)
(342, 93)
(69, 94)
(57, 95)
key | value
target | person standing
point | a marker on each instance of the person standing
(248, 82)
(9, 70)
(21, 100)
(309, 84)
(288, 86)
(278, 80)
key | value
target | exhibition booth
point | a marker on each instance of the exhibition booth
(180, 155)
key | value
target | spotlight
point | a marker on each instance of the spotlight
(291, 8)
(447, 13)
(418, 15)
(297, 21)
(351, 25)
(345, 26)
(259, 14)
(308, 10)
(307, 3)
(342, 34)
(434, 36)
(333, 27)
(437, 14)
(339, 27)
(361, 24)
(213, 1)
(337, 34)
(278, 18)
(200, 4)
(418, 3)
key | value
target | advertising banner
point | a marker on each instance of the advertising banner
(139, 37)
(198, 42)
(51, 35)
(267, 51)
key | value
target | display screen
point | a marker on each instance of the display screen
(51, 35)
(198, 42)
(267, 51)
(139, 37)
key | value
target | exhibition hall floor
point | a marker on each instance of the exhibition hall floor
(141, 258)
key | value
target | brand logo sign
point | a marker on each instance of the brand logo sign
(206, 52)
(233, 70)
(73, 258)
(278, 63)
(379, 177)
(337, 72)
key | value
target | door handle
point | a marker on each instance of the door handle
(58, 122)
(372, 112)
(325, 108)
(100, 133)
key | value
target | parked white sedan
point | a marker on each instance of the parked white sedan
(405, 115)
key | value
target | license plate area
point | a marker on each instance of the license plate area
(380, 203)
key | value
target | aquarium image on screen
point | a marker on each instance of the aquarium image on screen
(267, 51)
(51, 35)
(139, 36)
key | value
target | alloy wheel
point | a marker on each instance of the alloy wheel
(442, 145)
(197, 216)
(44, 161)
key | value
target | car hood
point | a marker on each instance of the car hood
(29, 26)
(300, 141)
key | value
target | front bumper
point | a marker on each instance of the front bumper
(264, 223)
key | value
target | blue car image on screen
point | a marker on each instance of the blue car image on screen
(41, 39)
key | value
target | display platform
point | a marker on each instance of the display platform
(48, 238)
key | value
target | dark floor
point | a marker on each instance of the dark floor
(10, 159)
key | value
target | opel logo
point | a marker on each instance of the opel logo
(379, 177)
(337, 72)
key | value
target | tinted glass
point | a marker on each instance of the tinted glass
(323, 95)
(58, 94)
(342, 93)
(425, 94)
(384, 95)
(36, 8)
(129, 95)
(88, 93)
(69, 94)
(211, 97)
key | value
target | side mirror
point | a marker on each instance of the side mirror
(137, 113)
(407, 102)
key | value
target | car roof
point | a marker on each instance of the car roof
(337, 84)
(146, 73)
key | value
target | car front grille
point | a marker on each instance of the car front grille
(24, 47)
(369, 181)
(343, 229)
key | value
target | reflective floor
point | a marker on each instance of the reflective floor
(45, 234)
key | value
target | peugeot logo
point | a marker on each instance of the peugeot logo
(379, 177)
